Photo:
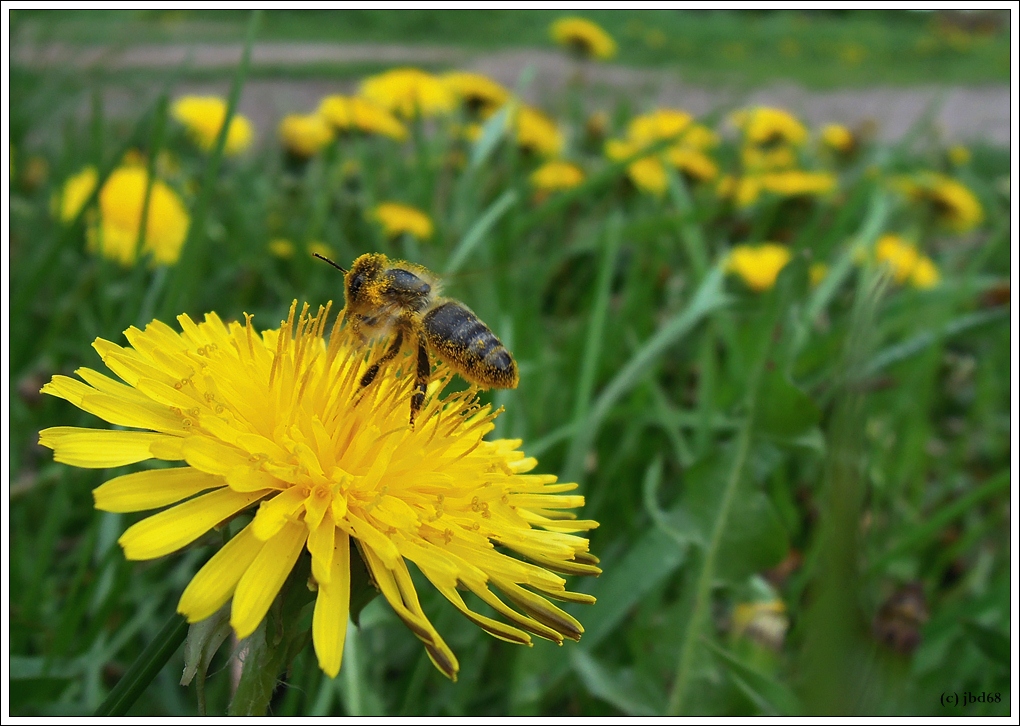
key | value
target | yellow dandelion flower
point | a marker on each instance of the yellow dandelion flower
(73, 195)
(659, 125)
(583, 37)
(764, 126)
(693, 163)
(756, 159)
(409, 92)
(479, 94)
(203, 117)
(397, 219)
(898, 255)
(114, 233)
(359, 114)
(278, 425)
(282, 248)
(537, 133)
(647, 174)
(305, 136)
(557, 175)
(958, 155)
(838, 138)
(955, 205)
(794, 183)
(926, 273)
(758, 265)
(700, 137)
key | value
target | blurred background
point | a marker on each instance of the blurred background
(801, 467)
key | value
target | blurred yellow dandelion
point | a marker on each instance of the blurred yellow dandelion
(113, 232)
(770, 158)
(766, 126)
(955, 205)
(537, 133)
(479, 94)
(557, 175)
(926, 274)
(693, 163)
(647, 174)
(838, 138)
(758, 265)
(277, 424)
(795, 182)
(359, 114)
(583, 37)
(905, 262)
(409, 93)
(397, 219)
(203, 117)
(74, 193)
(659, 125)
(305, 135)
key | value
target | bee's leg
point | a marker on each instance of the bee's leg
(422, 376)
(390, 354)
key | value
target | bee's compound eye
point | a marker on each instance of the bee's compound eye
(355, 281)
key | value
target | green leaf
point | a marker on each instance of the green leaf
(270, 650)
(754, 538)
(768, 694)
(989, 641)
(204, 640)
(648, 562)
(784, 411)
(708, 298)
(617, 686)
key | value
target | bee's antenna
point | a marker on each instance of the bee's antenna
(326, 259)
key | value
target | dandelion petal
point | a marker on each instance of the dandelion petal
(151, 489)
(173, 528)
(332, 606)
(215, 582)
(264, 578)
(97, 448)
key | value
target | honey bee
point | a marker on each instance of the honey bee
(402, 299)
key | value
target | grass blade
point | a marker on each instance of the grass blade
(189, 267)
(479, 229)
(708, 298)
(148, 664)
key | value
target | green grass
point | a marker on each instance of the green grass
(842, 449)
(819, 49)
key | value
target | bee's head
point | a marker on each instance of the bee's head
(364, 271)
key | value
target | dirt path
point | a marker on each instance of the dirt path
(964, 114)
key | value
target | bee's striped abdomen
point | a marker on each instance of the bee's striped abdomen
(467, 345)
